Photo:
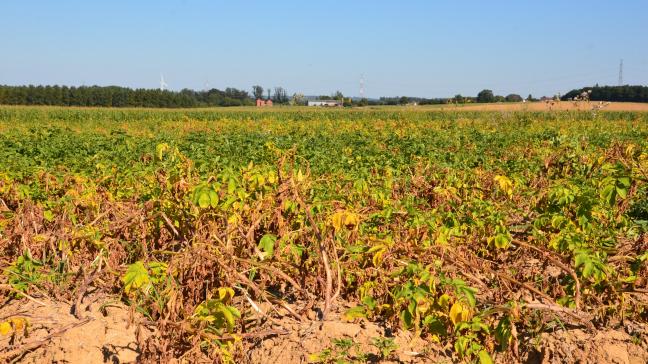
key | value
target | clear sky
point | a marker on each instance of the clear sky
(414, 48)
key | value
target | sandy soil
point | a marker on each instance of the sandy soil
(623, 345)
(106, 332)
(103, 333)
(310, 338)
(578, 346)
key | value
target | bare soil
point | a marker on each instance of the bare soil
(572, 345)
(310, 338)
(578, 346)
(106, 331)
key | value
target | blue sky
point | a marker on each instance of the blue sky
(415, 48)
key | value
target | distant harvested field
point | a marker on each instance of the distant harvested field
(542, 106)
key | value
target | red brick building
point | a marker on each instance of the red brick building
(262, 103)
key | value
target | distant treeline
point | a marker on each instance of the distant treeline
(612, 93)
(114, 96)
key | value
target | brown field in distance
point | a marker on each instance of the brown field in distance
(543, 106)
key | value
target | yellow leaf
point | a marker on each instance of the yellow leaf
(160, 149)
(484, 357)
(601, 159)
(378, 252)
(336, 220)
(422, 305)
(234, 219)
(342, 219)
(354, 313)
(505, 184)
(444, 300)
(459, 313)
(136, 277)
(19, 323)
(378, 257)
(351, 219)
(630, 149)
(5, 328)
(314, 358)
(225, 294)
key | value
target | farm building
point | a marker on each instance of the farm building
(325, 103)
(262, 103)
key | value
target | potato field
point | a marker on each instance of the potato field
(329, 236)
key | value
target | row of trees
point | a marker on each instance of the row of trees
(279, 94)
(114, 96)
(485, 96)
(612, 93)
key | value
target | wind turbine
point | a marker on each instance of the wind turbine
(163, 84)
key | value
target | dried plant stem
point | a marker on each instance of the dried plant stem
(276, 271)
(548, 255)
(339, 274)
(249, 335)
(8, 287)
(322, 251)
(76, 309)
(580, 316)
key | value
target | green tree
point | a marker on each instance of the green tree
(513, 98)
(611, 93)
(485, 96)
(257, 91)
(280, 95)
